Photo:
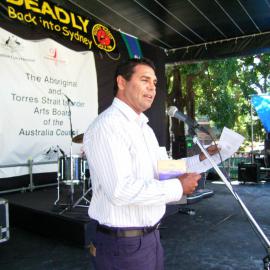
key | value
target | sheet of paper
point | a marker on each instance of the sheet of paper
(229, 142)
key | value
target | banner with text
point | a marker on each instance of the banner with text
(59, 21)
(37, 80)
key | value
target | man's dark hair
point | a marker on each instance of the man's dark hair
(126, 69)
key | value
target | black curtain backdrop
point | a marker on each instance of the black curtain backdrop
(105, 74)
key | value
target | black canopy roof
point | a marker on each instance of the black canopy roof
(187, 29)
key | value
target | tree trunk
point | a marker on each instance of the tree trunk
(190, 100)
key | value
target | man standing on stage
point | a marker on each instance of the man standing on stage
(128, 200)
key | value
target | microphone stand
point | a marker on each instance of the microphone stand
(70, 152)
(259, 231)
(172, 138)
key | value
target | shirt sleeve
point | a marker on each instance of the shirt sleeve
(173, 189)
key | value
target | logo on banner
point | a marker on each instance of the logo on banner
(61, 21)
(13, 48)
(54, 56)
(103, 38)
(12, 44)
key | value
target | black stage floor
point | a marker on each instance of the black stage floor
(39, 212)
(217, 237)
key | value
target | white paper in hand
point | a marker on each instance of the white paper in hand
(229, 142)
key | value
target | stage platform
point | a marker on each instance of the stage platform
(212, 234)
(36, 211)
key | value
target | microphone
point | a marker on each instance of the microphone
(69, 100)
(173, 112)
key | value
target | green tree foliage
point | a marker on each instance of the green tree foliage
(221, 90)
(217, 95)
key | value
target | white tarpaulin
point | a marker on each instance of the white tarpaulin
(37, 77)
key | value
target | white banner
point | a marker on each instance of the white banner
(37, 78)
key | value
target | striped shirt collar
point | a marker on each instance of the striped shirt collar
(130, 114)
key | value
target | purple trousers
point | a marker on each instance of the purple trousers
(129, 253)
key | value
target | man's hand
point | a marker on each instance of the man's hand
(212, 150)
(189, 182)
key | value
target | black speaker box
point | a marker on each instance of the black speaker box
(248, 172)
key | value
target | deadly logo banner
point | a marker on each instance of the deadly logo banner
(60, 21)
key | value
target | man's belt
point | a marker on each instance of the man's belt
(125, 232)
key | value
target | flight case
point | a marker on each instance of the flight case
(4, 220)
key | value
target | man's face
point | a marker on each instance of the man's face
(139, 92)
